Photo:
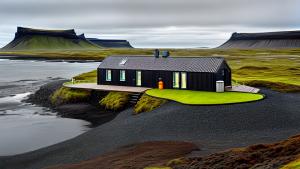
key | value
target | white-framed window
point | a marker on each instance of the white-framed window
(108, 75)
(175, 79)
(183, 80)
(122, 75)
(138, 78)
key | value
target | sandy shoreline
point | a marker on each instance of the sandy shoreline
(212, 128)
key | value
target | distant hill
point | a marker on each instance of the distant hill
(108, 43)
(268, 40)
(37, 39)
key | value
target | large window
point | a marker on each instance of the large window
(183, 80)
(108, 75)
(138, 78)
(175, 79)
(122, 75)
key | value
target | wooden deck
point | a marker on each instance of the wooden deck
(94, 86)
(243, 88)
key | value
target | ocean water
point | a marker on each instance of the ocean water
(25, 127)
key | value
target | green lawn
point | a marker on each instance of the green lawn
(203, 97)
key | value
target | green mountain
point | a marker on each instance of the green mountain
(37, 39)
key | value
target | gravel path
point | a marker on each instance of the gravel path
(213, 128)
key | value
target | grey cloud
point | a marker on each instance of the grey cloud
(144, 22)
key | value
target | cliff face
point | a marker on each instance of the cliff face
(109, 43)
(58, 33)
(268, 40)
(37, 39)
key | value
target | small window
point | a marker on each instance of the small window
(175, 79)
(122, 75)
(183, 80)
(138, 78)
(108, 75)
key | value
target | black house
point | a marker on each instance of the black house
(192, 73)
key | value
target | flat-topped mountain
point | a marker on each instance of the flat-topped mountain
(37, 39)
(267, 40)
(40, 39)
(110, 43)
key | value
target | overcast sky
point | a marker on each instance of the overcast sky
(152, 23)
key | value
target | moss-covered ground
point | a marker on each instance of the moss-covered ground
(203, 97)
(147, 103)
(66, 95)
(88, 77)
(115, 100)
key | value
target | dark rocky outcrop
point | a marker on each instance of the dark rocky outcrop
(267, 40)
(70, 33)
(42, 96)
(88, 110)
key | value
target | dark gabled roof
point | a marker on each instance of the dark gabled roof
(187, 64)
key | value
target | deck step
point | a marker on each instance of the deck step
(134, 98)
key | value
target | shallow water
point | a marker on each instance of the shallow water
(15, 70)
(25, 127)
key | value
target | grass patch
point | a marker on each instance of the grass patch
(115, 100)
(293, 165)
(88, 77)
(147, 103)
(253, 68)
(203, 97)
(66, 95)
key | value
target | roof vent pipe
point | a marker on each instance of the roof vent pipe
(156, 53)
(165, 54)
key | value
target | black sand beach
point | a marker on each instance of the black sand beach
(212, 128)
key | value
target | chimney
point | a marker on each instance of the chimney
(156, 53)
(165, 54)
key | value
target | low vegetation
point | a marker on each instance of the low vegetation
(203, 97)
(115, 100)
(144, 155)
(76, 54)
(99, 54)
(147, 103)
(66, 95)
(88, 77)
(283, 154)
(279, 68)
(278, 86)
